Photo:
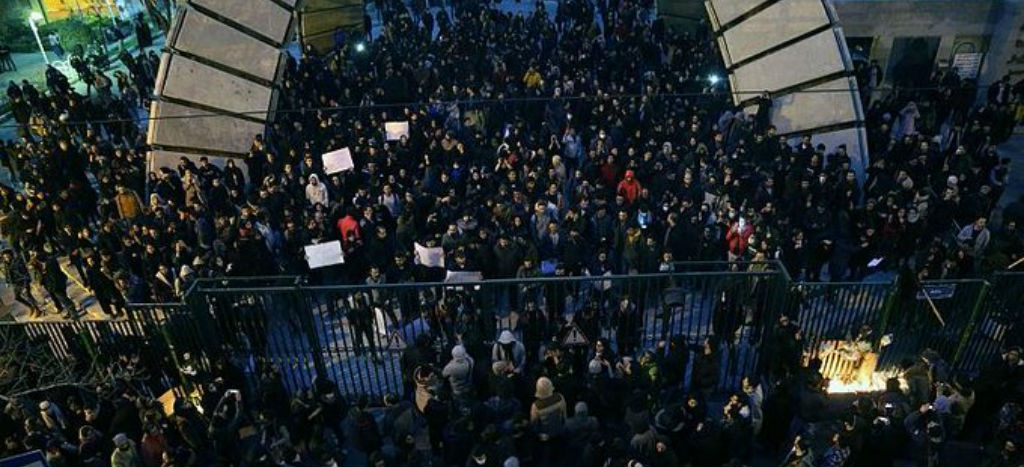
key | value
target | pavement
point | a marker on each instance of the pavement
(32, 67)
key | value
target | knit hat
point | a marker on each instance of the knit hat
(120, 439)
(506, 337)
(458, 352)
(545, 388)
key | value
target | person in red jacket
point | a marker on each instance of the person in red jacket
(737, 238)
(629, 188)
(348, 226)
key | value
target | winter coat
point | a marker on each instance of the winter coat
(517, 357)
(316, 193)
(126, 457)
(705, 371)
(548, 415)
(919, 384)
(459, 372)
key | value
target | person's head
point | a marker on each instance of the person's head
(709, 345)
(121, 442)
(544, 388)
(980, 223)
(1012, 356)
(750, 384)
(459, 352)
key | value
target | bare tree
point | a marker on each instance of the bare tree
(28, 364)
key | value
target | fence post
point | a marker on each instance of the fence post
(965, 335)
(90, 348)
(890, 303)
(172, 348)
(301, 306)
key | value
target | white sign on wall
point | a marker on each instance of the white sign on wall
(968, 64)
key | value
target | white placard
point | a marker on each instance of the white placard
(337, 161)
(324, 254)
(396, 130)
(429, 257)
(967, 64)
(454, 277)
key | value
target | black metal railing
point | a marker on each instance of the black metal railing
(360, 336)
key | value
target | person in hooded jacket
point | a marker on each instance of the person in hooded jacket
(509, 350)
(548, 416)
(459, 373)
(316, 192)
(629, 187)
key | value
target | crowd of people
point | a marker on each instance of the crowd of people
(587, 141)
(593, 142)
(73, 150)
(508, 410)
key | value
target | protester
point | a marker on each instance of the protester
(580, 146)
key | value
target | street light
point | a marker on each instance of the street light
(33, 18)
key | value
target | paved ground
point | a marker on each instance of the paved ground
(31, 64)
(32, 67)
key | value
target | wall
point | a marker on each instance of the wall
(320, 19)
(887, 20)
(684, 14)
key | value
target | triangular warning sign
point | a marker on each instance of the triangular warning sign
(574, 336)
(396, 341)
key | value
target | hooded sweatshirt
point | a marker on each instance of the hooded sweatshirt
(459, 371)
(316, 192)
(629, 187)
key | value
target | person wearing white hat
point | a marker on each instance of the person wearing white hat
(548, 415)
(509, 350)
(52, 416)
(459, 372)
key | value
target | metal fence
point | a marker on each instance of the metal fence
(359, 335)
